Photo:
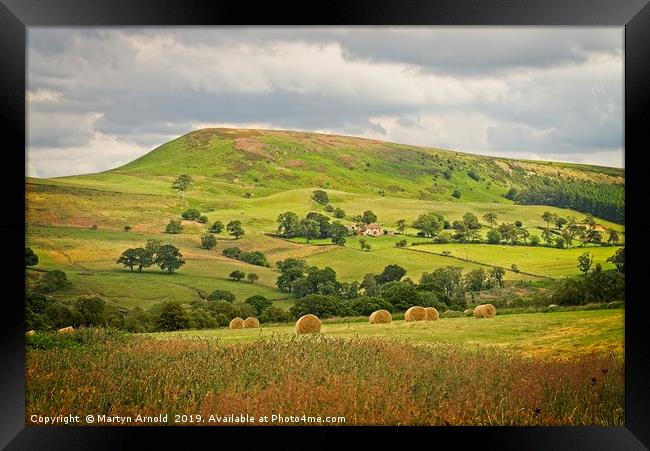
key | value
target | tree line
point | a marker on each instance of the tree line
(444, 286)
(603, 200)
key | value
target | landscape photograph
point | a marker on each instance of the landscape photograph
(300, 226)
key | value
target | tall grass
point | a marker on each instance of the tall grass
(366, 380)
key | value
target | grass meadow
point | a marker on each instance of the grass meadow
(458, 371)
(531, 334)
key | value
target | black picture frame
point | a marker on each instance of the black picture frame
(17, 15)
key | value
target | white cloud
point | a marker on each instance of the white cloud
(101, 153)
(43, 95)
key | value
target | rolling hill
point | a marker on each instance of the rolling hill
(263, 162)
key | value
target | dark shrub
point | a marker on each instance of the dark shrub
(259, 303)
(52, 281)
(57, 315)
(400, 295)
(92, 309)
(192, 214)
(137, 321)
(221, 295)
(275, 314)
(319, 305)
(365, 305)
(172, 317)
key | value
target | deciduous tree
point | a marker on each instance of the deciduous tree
(174, 227)
(208, 241)
(235, 229)
(168, 258)
(585, 261)
(217, 227)
(237, 275)
(490, 218)
(320, 196)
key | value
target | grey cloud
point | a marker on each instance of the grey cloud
(147, 84)
(467, 51)
(481, 51)
(62, 130)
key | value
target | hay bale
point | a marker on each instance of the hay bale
(30, 332)
(485, 311)
(431, 313)
(489, 311)
(415, 313)
(251, 322)
(237, 323)
(66, 330)
(380, 317)
(308, 324)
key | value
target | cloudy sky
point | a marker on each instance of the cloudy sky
(99, 97)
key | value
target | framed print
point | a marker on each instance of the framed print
(380, 218)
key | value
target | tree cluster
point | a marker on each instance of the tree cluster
(166, 256)
(314, 225)
(319, 292)
(45, 313)
(193, 214)
(51, 281)
(595, 286)
(214, 310)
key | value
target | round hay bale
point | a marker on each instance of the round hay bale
(66, 330)
(489, 311)
(380, 317)
(485, 311)
(30, 332)
(308, 324)
(415, 313)
(251, 322)
(237, 323)
(431, 313)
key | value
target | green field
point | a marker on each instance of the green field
(542, 261)
(533, 333)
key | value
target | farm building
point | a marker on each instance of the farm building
(373, 229)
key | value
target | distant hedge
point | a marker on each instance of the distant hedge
(254, 257)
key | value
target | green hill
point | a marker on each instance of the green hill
(261, 162)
